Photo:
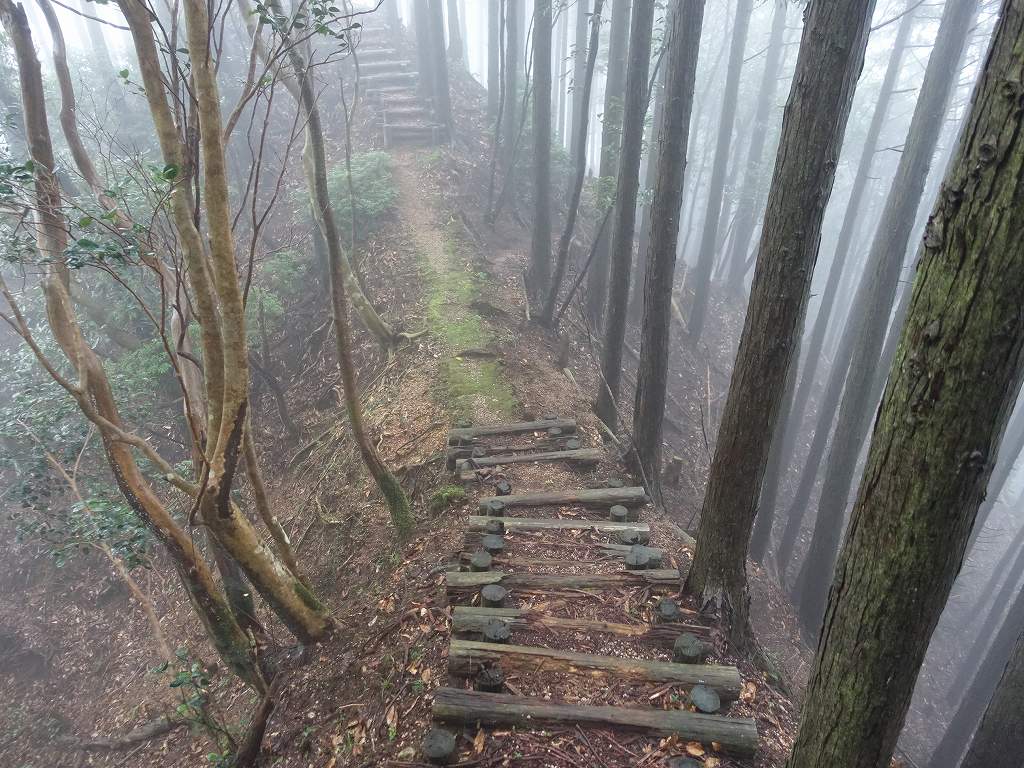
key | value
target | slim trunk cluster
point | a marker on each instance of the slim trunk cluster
(829, 63)
(885, 263)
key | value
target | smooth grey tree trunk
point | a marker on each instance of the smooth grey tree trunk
(493, 57)
(538, 276)
(579, 64)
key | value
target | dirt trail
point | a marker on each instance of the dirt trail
(474, 385)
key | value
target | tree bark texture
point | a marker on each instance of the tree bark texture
(956, 375)
(538, 276)
(580, 108)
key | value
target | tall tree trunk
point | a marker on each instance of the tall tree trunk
(493, 58)
(442, 95)
(316, 175)
(829, 63)
(956, 375)
(885, 263)
(100, 51)
(424, 51)
(456, 49)
(510, 116)
(998, 737)
(789, 420)
(579, 161)
(716, 187)
(558, 74)
(750, 200)
(635, 109)
(93, 392)
(538, 276)
(611, 135)
(683, 39)
(636, 300)
(580, 112)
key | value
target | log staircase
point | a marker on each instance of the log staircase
(391, 85)
(521, 548)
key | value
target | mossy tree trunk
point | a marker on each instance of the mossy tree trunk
(683, 39)
(829, 62)
(316, 174)
(956, 375)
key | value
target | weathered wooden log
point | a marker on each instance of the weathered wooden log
(493, 595)
(591, 497)
(515, 428)
(704, 699)
(462, 582)
(579, 456)
(472, 449)
(439, 746)
(614, 482)
(573, 444)
(618, 514)
(603, 550)
(479, 522)
(690, 649)
(472, 620)
(481, 561)
(466, 657)
(734, 735)
(497, 631)
(554, 432)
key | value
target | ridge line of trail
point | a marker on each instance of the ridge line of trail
(471, 382)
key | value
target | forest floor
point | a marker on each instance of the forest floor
(77, 659)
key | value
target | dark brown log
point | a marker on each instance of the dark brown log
(464, 581)
(580, 455)
(734, 735)
(515, 428)
(479, 522)
(466, 657)
(471, 620)
(592, 497)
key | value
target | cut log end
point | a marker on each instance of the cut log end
(668, 611)
(637, 559)
(481, 561)
(493, 596)
(704, 699)
(618, 514)
(690, 649)
(497, 631)
(495, 508)
(439, 746)
(489, 680)
(492, 543)
(633, 536)
(495, 528)
(503, 488)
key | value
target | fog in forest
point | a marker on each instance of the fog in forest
(512, 382)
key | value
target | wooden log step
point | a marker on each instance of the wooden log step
(473, 619)
(609, 550)
(374, 53)
(390, 78)
(580, 455)
(467, 657)
(734, 735)
(479, 523)
(462, 582)
(591, 497)
(513, 428)
(382, 65)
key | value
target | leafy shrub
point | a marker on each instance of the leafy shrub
(375, 192)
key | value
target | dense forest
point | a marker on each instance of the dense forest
(512, 383)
